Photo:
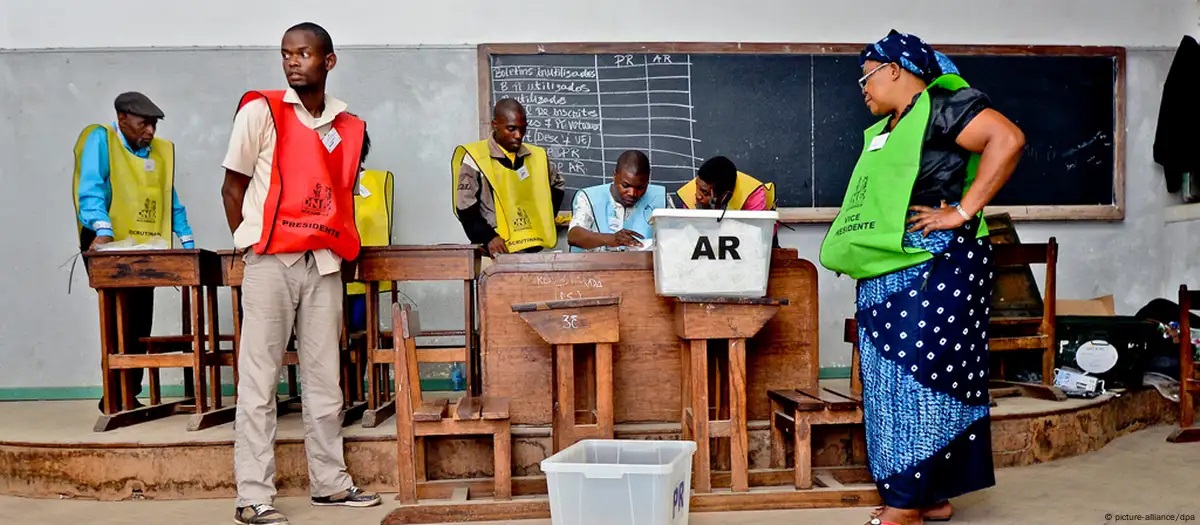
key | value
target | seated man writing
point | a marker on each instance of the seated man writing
(719, 185)
(616, 216)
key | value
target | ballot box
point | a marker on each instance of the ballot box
(712, 252)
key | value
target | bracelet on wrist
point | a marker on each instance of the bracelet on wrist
(966, 216)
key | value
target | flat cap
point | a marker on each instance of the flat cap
(137, 104)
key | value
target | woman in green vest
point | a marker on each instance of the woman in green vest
(910, 230)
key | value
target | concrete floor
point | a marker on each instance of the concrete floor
(1136, 474)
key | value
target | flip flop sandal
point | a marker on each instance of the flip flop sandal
(876, 512)
(877, 521)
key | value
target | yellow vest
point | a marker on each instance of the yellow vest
(742, 189)
(373, 218)
(524, 211)
(141, 205)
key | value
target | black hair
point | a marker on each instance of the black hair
(505, 105)
(635, 161)
(720, 173)
(317, 31)
(366, 147)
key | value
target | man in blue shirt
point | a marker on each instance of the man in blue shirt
(127, 161)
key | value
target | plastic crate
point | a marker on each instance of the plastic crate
(620, 482)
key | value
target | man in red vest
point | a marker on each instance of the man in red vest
(291, 173)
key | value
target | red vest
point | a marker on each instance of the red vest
(310, 205)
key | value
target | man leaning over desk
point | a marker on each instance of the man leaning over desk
(616, 216)
(124, 176)
(506, 190)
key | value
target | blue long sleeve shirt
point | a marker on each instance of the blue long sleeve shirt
(95, 192)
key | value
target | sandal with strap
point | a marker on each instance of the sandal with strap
(924, 517)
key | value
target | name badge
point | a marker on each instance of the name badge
(331, 140)
(149, 164)
(522, 173)
(878, 142)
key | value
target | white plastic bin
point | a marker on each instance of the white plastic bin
(620, 482)
(695, 255)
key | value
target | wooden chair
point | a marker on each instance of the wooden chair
(568, 326)
(1189, 370)
(395, 264)
(1025, 333)
(794, 412)
(417, 418)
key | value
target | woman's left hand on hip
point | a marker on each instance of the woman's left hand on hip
(929, 219)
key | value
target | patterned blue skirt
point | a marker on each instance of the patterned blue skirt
(924, 360)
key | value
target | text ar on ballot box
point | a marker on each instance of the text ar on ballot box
(716, 265)
(712, 252)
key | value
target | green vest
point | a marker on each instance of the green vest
(865, 240)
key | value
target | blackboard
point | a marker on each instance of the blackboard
(794, 115)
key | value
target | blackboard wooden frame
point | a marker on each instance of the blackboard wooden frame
(1107, 212)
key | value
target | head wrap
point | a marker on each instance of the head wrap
(911, 53)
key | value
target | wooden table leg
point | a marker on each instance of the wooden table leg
(235, 297)
(739, 441)
(685, 392)
(564, 379)
(127, 397)
(374, 396)
(604, 389)
(198, 349)
(778, 457)
(108, 378)
(217, 414)
(469, 371)
(702, 461)
(214, 349)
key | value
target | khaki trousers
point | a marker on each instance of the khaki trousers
(276, 297)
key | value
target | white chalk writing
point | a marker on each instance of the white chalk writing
(586, 117)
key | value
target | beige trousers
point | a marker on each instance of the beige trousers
(276, 297)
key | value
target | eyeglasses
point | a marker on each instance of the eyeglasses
(862, 82)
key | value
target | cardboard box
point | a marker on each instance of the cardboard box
(1098, 306)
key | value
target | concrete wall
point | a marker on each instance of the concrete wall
(420, 101)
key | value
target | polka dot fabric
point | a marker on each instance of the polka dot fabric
(923, 348)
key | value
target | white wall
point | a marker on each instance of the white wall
(48, 338)
(134, 23)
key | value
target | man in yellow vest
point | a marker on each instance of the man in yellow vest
(373, 219)
(506, 191)
(124, 179)
(720, 186)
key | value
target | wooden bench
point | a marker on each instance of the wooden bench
(418, 418)
(1189, 370)
(795, 411)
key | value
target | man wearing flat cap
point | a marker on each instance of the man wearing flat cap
(124, 178)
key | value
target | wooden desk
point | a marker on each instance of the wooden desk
(111, 273)
(646, 362)
(378, 264)
(734, 320)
